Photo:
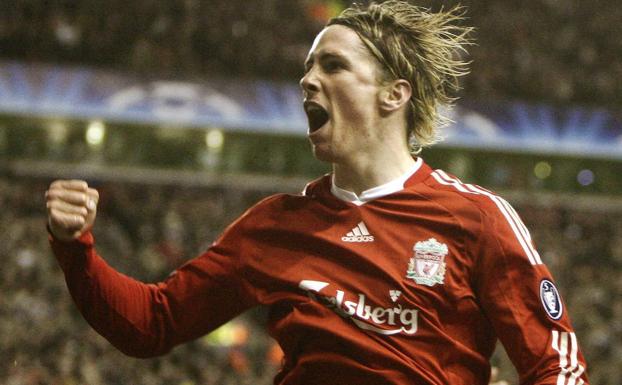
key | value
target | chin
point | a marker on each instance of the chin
(328, 154)
(323, 153)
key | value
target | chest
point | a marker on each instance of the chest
(382, 266)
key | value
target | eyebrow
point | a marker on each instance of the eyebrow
(324, 56)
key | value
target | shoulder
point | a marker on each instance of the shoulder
(467, 201)
(278, 208)
(497, 218)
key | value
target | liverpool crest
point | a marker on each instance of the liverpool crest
(427, 266)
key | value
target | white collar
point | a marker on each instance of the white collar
(374, 192)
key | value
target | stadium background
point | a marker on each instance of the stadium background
(185, 113)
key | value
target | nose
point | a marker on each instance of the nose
(309, 83)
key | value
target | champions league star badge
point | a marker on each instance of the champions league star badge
(551, 299)
(427, 266)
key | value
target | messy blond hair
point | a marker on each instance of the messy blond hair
(420, 46)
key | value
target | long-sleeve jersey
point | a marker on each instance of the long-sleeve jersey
(411, 287)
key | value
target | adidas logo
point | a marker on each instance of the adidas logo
(358, 234)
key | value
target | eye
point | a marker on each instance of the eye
(332, 66)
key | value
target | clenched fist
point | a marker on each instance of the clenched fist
(71, 207)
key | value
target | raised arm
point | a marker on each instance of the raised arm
(139, 319)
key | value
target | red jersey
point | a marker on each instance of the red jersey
(409, 287)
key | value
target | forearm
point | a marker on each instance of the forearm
(146, 320)
(130, 314)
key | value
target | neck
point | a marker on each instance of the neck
(372, 169)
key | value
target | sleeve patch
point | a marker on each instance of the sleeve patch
(551, 300)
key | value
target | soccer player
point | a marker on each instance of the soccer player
(382, 272)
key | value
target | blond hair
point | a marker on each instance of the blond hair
(420, 46)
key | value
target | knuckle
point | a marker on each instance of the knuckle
(51, 193)
(80, 184)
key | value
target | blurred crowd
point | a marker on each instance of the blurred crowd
(147, 230)
(545, 50)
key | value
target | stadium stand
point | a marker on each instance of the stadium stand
(561, 52)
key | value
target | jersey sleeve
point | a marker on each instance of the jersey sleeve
(145, 320)
(520, 298)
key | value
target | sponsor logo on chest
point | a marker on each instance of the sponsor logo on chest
(378, 319)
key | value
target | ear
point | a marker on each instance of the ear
(395, 95)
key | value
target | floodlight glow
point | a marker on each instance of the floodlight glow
(95, 133)
(542, 170)
(214, 139)
(585, 177)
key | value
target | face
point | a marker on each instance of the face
(341, 95)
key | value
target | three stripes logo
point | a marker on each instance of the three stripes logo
(358, 234)
(571, 370)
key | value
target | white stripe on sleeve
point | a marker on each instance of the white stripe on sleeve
(566, 345)
(520, 231)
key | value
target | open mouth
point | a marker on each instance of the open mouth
(317, 115)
